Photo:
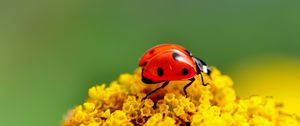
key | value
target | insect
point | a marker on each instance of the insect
(171, 62)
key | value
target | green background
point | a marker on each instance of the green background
(52, 51)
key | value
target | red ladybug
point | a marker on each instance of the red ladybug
(169, 62)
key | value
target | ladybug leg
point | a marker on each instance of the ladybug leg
(187, 85)
(162, 86)
(204, 84)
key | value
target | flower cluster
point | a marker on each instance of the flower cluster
(121, 104)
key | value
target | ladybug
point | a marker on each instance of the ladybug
(171, 62)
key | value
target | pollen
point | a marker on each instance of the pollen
(149, 103)
(121, 103)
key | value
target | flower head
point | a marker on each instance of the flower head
(121, 104)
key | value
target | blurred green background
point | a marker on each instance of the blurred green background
(52, 51)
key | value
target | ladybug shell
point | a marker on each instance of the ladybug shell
(158, 49)
(169, 65)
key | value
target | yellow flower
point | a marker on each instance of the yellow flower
(121, 104)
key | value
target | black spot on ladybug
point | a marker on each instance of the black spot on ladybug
(175, 55)
(185, 71)
(160, 71)
(151, 51)
(147, 80)
(188, 52)
(145, 63)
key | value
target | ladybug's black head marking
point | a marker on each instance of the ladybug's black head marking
(160, 71)
(175, 55)
(185, 71)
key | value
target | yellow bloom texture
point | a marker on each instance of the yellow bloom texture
(121, 104)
